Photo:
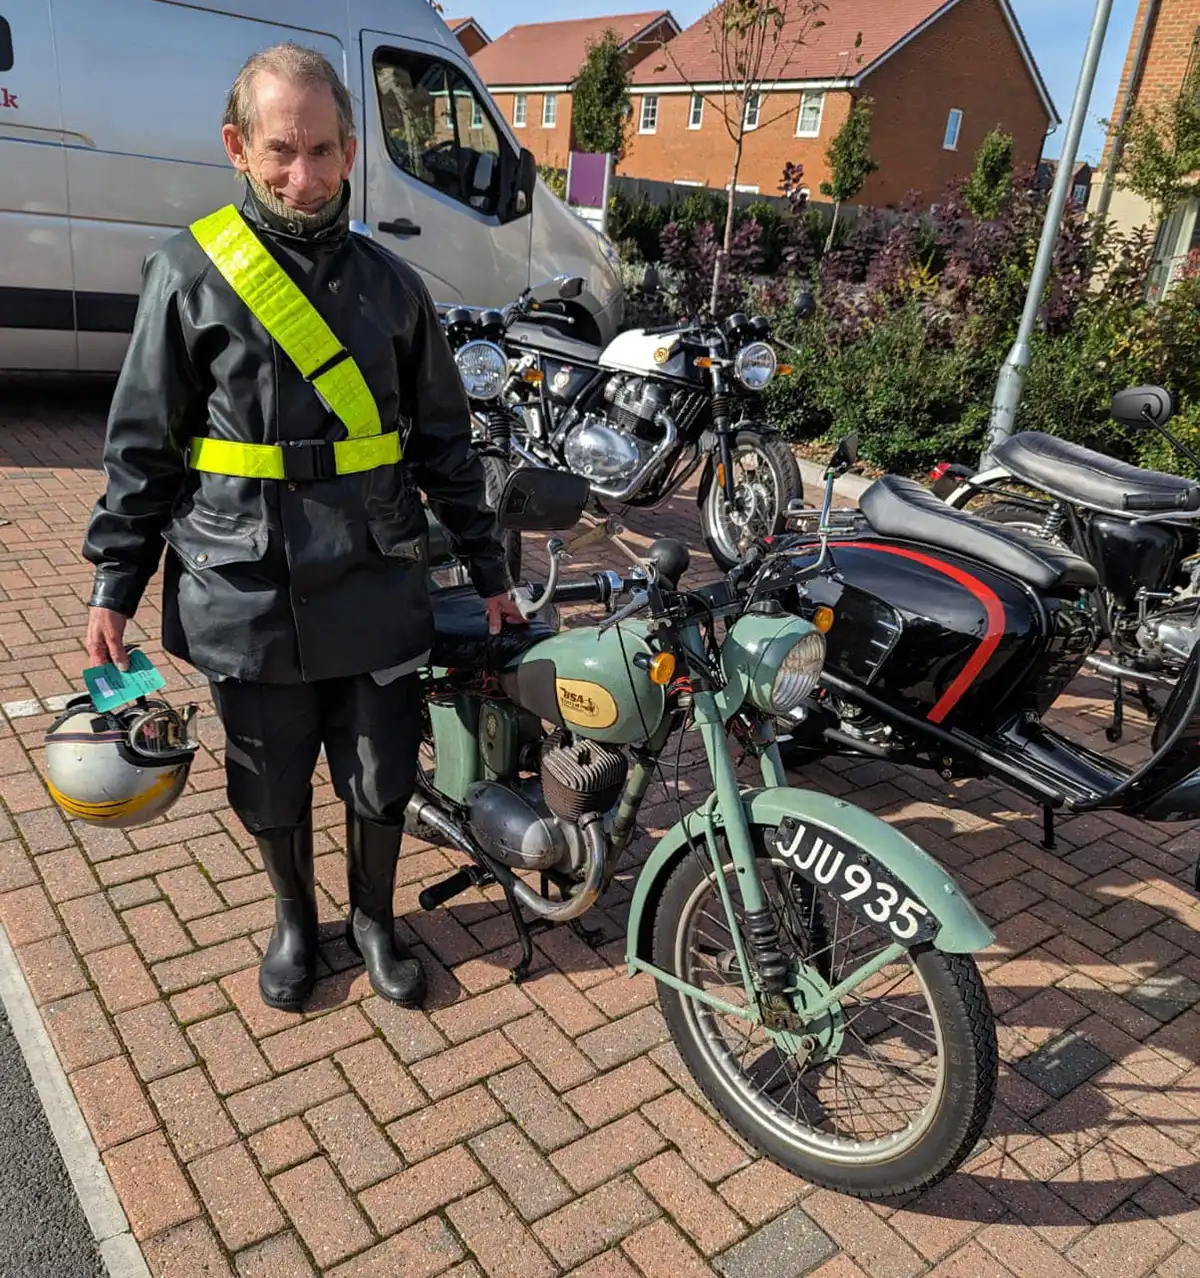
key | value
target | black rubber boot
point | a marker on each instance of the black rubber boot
(371, 854)
(287, 973)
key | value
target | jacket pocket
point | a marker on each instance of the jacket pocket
(205, 538)
(397, 538)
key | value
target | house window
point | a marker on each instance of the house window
(1079, 194)
(812, 107)
(753, 109)
(696, 118)
(649, 120)
(549, 110)
(953, 128)
(425, 105)
(520, 107)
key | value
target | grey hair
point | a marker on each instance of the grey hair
(291, 62)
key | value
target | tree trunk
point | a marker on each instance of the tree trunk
(837, 206)
(727, 240)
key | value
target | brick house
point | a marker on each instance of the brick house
(470, 34)
(941, 75)
(1166, 35)
(529, 71)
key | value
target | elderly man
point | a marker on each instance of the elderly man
(287, 389)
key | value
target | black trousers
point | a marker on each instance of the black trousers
(274, 734)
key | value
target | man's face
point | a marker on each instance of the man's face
(295, 151)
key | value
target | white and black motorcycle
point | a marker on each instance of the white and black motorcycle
(636, 417)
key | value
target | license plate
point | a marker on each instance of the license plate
(856, 879)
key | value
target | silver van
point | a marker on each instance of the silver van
(110, 141)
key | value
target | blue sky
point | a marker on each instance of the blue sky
(1057, 31)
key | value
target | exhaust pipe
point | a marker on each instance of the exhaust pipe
(1103, 665)
(595, 860)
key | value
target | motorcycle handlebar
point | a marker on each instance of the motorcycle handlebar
(1189, 499)
(600, 587)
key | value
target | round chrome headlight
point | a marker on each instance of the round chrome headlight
(754, 365)
(798, 674)
(483, 369)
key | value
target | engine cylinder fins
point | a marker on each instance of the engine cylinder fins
(580, 778)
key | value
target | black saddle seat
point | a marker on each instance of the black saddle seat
(461, 638)
(553, 342)
(897, 507)
(1066, 470)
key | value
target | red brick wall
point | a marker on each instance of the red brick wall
(967, 60)
(549, 146)
(706, 154)
(1167, 56)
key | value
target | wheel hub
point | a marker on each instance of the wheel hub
(792, 1027)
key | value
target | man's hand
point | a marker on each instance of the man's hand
(500, 608)
(105, 637)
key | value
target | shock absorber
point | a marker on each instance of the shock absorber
(1052, 524)
(762, 930)
(499, 429)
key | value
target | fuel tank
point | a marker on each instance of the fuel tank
(595, 684)
(943, 637)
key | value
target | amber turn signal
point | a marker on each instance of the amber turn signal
(534, 376)
(703, 361)
(784, 370)
(662, 667)
(823, 618)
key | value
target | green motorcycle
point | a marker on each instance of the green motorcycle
(813, 964)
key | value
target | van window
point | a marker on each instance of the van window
(436, 128)
(6, 56)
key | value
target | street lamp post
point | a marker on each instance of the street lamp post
(1012, 373)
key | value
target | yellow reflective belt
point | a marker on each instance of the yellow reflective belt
(294, 323)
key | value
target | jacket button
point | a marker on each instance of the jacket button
(202, 559)
(304, 599)
(291, 488)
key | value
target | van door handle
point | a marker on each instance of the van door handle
(401, 226)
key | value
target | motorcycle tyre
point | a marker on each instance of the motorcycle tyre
(788, 484)
(960, 1001)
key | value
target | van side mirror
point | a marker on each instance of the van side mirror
(524, 184)
(542, 500)
(1142, 406)
(571, 288)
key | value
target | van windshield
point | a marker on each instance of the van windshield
(436, 128)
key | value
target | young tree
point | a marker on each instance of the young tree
(755, 42)
(1160, 149)
(850, 162)
(990, 183)
(600, 98)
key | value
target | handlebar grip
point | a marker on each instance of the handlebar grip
(1187, 500)
(598, 588)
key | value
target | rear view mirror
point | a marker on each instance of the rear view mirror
(846, 454)
(803, 304)
(519, 180)
(650, 281)
(1142, 406)
(571, 288)
(542, 501)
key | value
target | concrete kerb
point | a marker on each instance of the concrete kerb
(851, 487)
(118, 1248)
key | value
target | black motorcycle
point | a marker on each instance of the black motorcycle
(1137, 528)
(636, 417)
(948, 639)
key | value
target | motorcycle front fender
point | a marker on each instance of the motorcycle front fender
(960, 930)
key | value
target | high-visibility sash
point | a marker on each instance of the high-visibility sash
(294, 323)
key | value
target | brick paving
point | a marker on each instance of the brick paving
(549, 1128)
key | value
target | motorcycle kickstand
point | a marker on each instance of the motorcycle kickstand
(1048, 829)
(1115, 730)
(521, 971)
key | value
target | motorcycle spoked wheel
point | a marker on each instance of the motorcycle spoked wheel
(925, 1005)
(1014, 515)
(766, 477)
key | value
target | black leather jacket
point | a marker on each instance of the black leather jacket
(270, 580)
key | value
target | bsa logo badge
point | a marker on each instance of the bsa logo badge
(561, 380)
(587, 704)
(662, 355)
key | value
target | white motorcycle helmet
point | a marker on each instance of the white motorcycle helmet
(123, 767)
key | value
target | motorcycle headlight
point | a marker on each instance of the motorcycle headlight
(483, 369)
(798, 674)
(754, 365)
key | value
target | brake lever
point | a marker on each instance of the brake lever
(639, 600)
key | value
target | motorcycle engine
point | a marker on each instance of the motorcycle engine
(533, 825)
(612, 447)
(1170, 635)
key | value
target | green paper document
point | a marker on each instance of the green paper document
(110, 687)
